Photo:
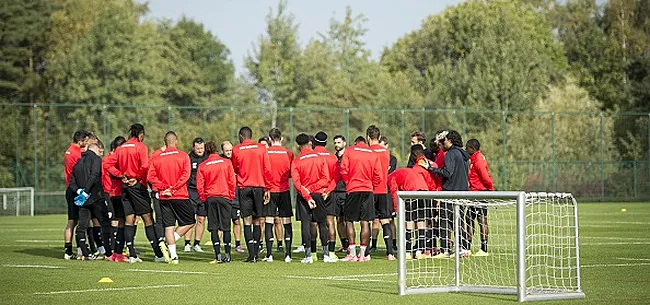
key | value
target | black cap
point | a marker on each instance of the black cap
(198, 140)
(320, 137)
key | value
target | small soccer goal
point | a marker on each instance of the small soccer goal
(489, 242)
(18, 201)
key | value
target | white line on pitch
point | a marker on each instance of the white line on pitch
(633, 259)
(334, 278)
(32, 266)
(615, 265)
(110, 289)
(614, 238)
(37, 241)
(28, 230)
(167, 271)
(615, 244)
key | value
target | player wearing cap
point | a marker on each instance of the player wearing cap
(320, 141)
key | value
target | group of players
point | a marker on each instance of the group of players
(250, 183)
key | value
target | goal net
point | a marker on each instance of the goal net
(489, 242)
(17, 201)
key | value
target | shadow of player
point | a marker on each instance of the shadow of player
(42, 252)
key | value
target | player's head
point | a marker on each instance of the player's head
(94, 148)
(198, 146)
(226, 149)
(433, 145)
(265, 140)
(418, 138)
(452, 138)
(440, 136)
(360, 139)
(276, 136)
(100, 144)
(472, 146)
(339, 142)
(211, 148)
(373, 134)
(80, 137)
(303, 141)
(92, 138)
(320, 139)
(137, 131)
(417, 150)
(383, 141)
(119, 140)
(170, 139)
(245, 133)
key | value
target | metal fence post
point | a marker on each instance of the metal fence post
(347, 124)
(648, 160)
(553, 146)
(291, 123)
(402, 129)
(169, 117)
(35, 113)
(602, 158)
(504, 152)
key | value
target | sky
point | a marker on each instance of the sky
(238, 24)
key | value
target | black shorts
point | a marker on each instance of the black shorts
(219, 210)
(235, 213)
(383, 208)
(359, 206)
(136, 200)
(173, 210)
(100, 211)
(330, 206)
(118, 209)
(419, 209)
(317, 214)
(199, 206)
(270, 209)
(338, 200)
(73, 209)
(283, 202)
(251, 200)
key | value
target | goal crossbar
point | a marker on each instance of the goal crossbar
(470, 199)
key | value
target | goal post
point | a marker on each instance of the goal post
(530, 240)
(17, 201)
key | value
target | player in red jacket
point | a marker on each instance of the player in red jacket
(427, 209)
(215, 184)
(130, 165)
(310, 176)
(72, 155)
(279, 205)
(168, 174)
(479, 180)
(332, 162)
(113, 188)
(253, 169)
(383, 207)
(408, 179)
(361, 172)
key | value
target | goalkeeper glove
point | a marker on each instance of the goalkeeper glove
(81, 198)
(424, 163)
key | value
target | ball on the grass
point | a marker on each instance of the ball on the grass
(623, 210)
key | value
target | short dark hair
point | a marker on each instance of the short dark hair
(119, 140)
(211, 148)
(360, 139)
(455, 138)
(79, 136)
(417, 150)
(275, 134)
(373, 132)
(420, 135)
(302, 139)
(320, 139)
(383, 139)
(135, 130)
(197, 140)
(474, 143)
(91, 135)
(246, 132)
(264, 139)
(100, 144)
(339, 136)
(169, 133)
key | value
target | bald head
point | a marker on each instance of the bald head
(226, 148)
(171, 139)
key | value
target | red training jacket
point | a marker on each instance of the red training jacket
(309, 173)
(425, 174)
(280, 159)
(360, 169)
(384, 161)
(215, 177)
(72, 155)
(132, 161)
(333, 167)
(405, 179)
(153, 156)
(170, 170)
(479, 177)
(252, 165)
(440, 162)
(112, 185)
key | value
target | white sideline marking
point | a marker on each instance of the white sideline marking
(32, 266)
(27, 230)
(633, 259)
(616, 244)
(615, 265)
(334, 278)
(110, 289)
(37, 241)
(615, 238)
(167, 271)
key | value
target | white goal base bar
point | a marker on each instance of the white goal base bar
(17, 201)
(536, 261)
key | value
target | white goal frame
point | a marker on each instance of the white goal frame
(18, 190)
(522, 292)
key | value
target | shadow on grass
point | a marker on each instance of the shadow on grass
(42, 252)
(385, 290)
(500, 297)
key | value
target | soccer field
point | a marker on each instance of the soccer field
(615, 259)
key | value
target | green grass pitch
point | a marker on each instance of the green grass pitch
(615, 259)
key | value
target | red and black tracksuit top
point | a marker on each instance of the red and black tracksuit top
(425, 174)
(170, 170)
(112, 185)
(309, 173)
(334, 169)
(384, 161)
(131, 160)
(280, 159)
(360, 169)
(479, 177)
(71, 157)
(405, 179)
(215, 177)
(252, 165)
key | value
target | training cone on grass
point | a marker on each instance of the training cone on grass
(105, 280)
